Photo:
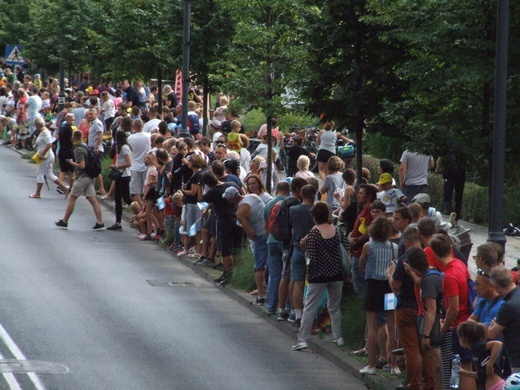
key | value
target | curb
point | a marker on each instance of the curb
(337, 356)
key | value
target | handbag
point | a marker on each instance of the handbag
(115, 174)
(346, 261)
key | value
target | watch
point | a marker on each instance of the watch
(425, 337)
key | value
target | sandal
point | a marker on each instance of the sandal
(360, 352)
(35, 196)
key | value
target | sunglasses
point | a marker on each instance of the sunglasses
(481, 272)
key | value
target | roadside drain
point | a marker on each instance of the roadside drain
(166, 283)
(25, 366)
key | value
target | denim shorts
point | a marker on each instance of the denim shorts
(260, 253)
(298, 264)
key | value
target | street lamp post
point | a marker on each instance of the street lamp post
(496, 205)
(185, 69)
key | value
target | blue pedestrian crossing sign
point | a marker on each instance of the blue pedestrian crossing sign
(13, 55)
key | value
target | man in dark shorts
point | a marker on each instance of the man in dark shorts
(66, 150)
(228, 233)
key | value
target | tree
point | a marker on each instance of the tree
(350, 69)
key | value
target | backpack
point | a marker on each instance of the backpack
(193, 123)
(278, 222)
(92, 164)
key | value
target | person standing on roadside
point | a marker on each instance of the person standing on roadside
(359, 235)
(140, 144)
(413, 173)
(66, 150)
(95, 142)
(83, 185)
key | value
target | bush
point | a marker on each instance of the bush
(353, 321)
(243, 270)
(253, 119)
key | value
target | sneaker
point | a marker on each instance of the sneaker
(206, 262)
(297, 322)
(339, 342)
(59, 190)
(291, 318)
(62, 225)
(395, 371)
(271, 312)
(226, 279)
(98, 227)
(115, 226)
(200, 260)
(300, 346)
(146, 237)
(282, 315)
(259, 301)
(367, 370)
(182, 253)
(220, 278)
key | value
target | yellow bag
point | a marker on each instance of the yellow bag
(362, 226)
(37, 159)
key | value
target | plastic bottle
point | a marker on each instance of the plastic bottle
(455, 367)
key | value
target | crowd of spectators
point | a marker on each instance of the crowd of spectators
(207, 196)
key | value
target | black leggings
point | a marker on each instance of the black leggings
(122, 192)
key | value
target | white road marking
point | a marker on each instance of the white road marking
(17, 353)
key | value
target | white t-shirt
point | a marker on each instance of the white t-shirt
(33, 106)
(120, 160)
(256, 213)
(140, 143)
(151, 125)
(109, 110)
(416, 168)
(245, 160)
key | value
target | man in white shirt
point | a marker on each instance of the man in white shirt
(153, 123)
(140, 143)
(413, 173)
(95, 142)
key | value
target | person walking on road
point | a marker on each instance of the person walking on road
(46, 157)
(83, 185)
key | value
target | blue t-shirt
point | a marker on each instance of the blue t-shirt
(486, 311)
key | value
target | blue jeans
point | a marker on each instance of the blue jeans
(359, 283)
(260, 253)
(275, 264)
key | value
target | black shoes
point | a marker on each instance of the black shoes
(61, 225)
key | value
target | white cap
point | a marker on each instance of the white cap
(230, 193)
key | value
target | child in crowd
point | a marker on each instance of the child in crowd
(150, 195)
(234, 141)
(390, 196)
(176, 220)
(333, 181)
(261, 149)
(472, 335)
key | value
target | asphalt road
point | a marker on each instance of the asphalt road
(102, 310)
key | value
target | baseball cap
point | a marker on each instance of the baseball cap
(385, 178)
(422, 198)
(215, 123)
(230, 193)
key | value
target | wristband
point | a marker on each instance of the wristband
(425, 337)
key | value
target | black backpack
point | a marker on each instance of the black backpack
(92, 164)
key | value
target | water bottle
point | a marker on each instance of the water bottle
(455, 367)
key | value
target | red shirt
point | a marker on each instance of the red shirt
(434, 263)
(365, 213)
(455, 283)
